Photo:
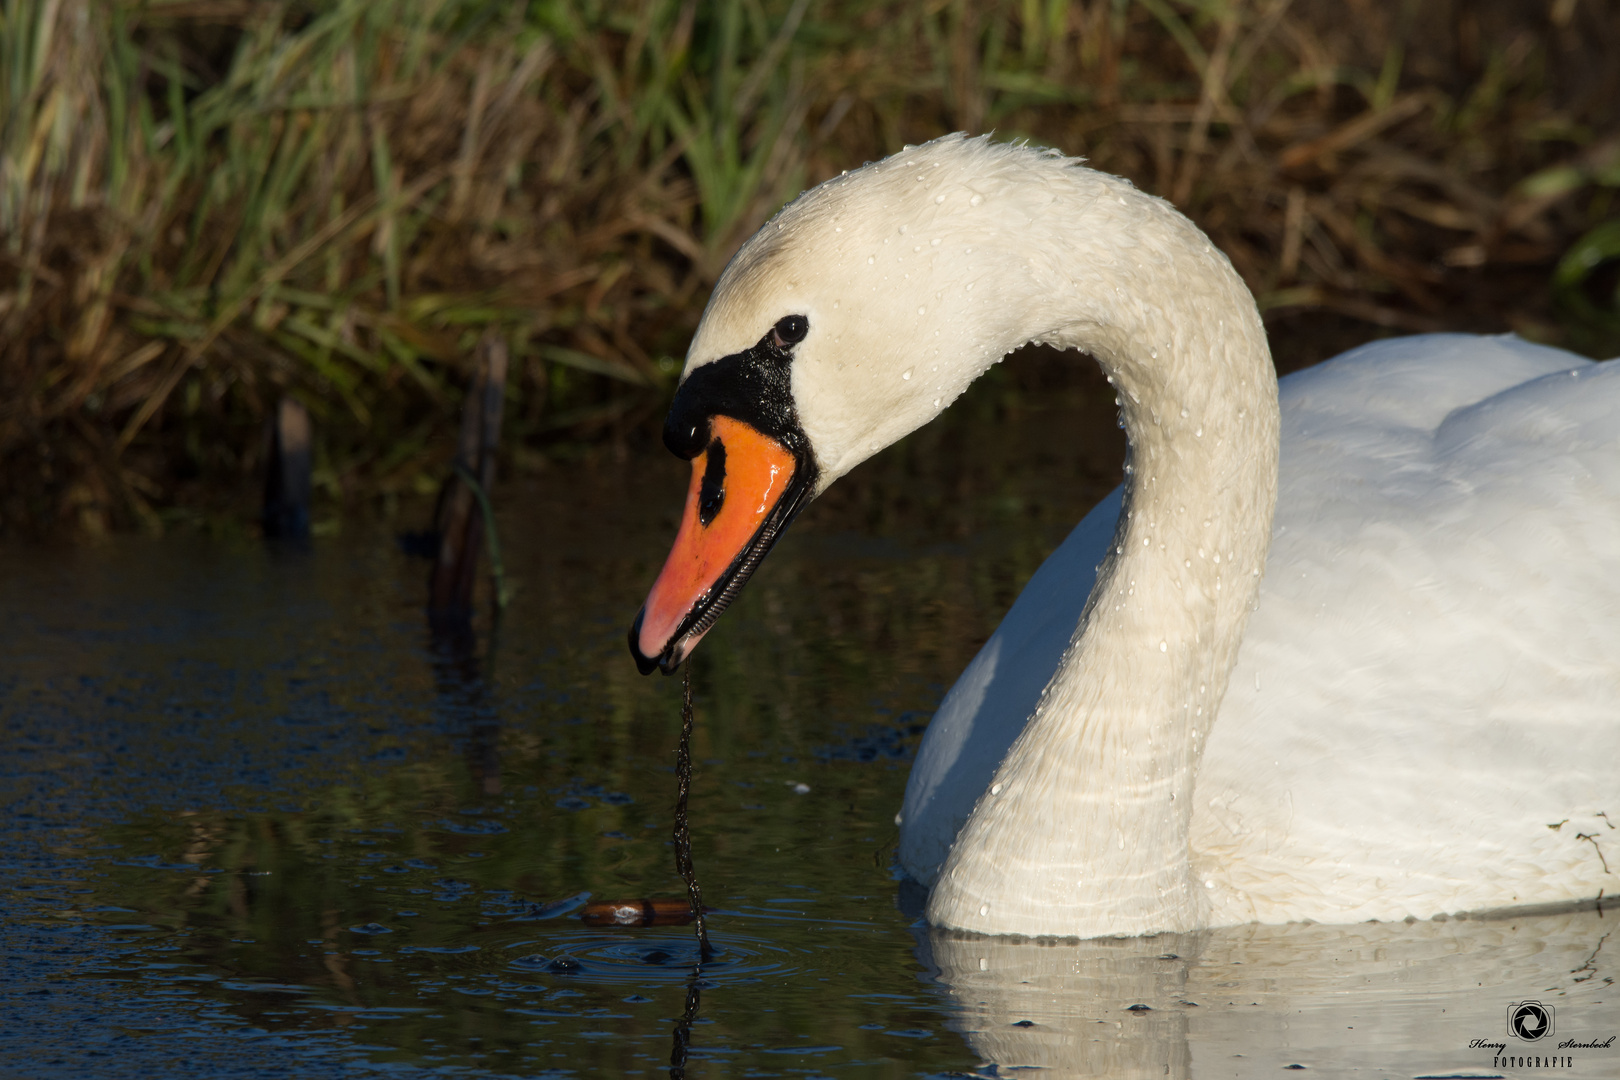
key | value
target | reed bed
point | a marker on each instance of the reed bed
(206, 205)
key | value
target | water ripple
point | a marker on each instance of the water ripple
(619, 958)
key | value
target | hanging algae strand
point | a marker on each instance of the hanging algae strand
(683, 834)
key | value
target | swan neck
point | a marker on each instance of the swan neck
(1084, 830)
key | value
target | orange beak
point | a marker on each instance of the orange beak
(736, 507)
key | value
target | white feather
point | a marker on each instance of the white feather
(1422, 709)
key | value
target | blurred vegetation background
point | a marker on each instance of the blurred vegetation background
(208, 204)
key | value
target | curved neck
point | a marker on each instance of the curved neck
(1084, 829)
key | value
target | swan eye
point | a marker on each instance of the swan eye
(790, 330)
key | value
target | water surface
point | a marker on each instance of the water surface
(258, 822)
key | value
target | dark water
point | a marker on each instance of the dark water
(258, 823)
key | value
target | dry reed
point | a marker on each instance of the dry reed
(205, 204)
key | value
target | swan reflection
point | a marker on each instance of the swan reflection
(1386, 999)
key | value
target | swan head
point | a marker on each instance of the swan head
(854, 316)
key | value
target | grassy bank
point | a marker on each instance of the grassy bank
(208, 204)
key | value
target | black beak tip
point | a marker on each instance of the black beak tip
(669, 660)
(644, 664)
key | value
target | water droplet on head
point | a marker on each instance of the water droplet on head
(939, 198)
(995, 789)
(1164, 646)
(984, 909)
(906, 374)
(976, 200)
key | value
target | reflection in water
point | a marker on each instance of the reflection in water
(1384, 998)
(464, 697)
(682, 1039)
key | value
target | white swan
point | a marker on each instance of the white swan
(1421, 717)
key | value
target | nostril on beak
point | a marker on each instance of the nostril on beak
(712, 490)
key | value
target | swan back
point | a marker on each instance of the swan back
(1429, 682)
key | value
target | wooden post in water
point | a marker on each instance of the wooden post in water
(460, 522)
(286, 476)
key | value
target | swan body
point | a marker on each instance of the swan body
(1397, 698)
(1429, 679)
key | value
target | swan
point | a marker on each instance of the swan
(1341, 648)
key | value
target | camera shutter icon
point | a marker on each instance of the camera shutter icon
(1530, 1021)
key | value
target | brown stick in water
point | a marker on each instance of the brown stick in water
(683, 834)
(636, 913)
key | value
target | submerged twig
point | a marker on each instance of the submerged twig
(458, 521)
(492, 542)
(287, 473)
(683, 833)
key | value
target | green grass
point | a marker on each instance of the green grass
(207, 204)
